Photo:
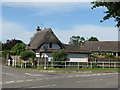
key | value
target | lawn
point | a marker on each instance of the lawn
(80, 69)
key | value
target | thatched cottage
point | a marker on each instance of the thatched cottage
(45, 42)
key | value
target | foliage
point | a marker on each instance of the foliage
(77, 40)
(96, 53)
(113, 10)
(59, 55)
(27, 55)
(93, 39)
(18, 48)
(3, 53)
(109, 55)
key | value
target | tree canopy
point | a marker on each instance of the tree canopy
(93, 39)
(113, 10)
(76, 40)
(18, 48)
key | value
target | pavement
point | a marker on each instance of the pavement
(22, 78)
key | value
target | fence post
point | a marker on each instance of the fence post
(95, 60)
(109, 63)
(52, 63)
(8, 62)
(114, 65)
(13, 62)
(21, 65)
(87, 64)
(38, 63)
(78, 65)
(65, 64)
(91, 64)
(25, 65)
(103, 65)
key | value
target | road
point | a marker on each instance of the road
(21, 78)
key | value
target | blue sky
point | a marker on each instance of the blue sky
(66, 19)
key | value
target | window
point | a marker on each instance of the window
(50, 45)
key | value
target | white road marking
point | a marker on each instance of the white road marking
(36, 75)
(8, 73)
(44, 86)
(10, 82)
(38, 79)
(70, 76)
(20, 81)
(33, 74)
(30, 80)
(46, 78)
(28, 74)
(56, 77)
(88, 80)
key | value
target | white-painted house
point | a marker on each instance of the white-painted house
(45, 42)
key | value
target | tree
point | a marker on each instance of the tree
(59, 55)
(113, 10)
(93, 39)
(27, 55)
(18, 48)
(77, 40)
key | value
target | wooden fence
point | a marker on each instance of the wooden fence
(92, 63)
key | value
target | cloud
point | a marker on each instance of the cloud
(44, 8)
(48, 0)
(13, 30)
(101, 32)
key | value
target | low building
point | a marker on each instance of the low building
(46, 42)
(103, 47)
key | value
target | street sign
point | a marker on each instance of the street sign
(37, 54)
(78, 60)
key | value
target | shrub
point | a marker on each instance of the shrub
(109, 55)
(59, 55)
(27, 55)
(3, 53)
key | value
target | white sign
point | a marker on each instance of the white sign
(78, 60)
(37, 54)
(44, 55)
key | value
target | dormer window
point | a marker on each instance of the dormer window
(50, 45)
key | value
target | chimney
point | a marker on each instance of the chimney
(38, 29)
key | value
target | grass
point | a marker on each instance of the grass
(80, 69)
(75, 69)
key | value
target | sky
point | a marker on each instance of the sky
(66, 19)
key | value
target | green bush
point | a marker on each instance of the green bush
(109, 55)
(3, 53)
(27, 55)
(59, 55)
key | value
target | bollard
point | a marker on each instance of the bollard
(13, 62)
(8, 62)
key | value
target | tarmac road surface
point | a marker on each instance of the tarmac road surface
(20, 78)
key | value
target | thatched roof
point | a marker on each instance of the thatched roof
(75, 49)
(105, 46)
(43, 36)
